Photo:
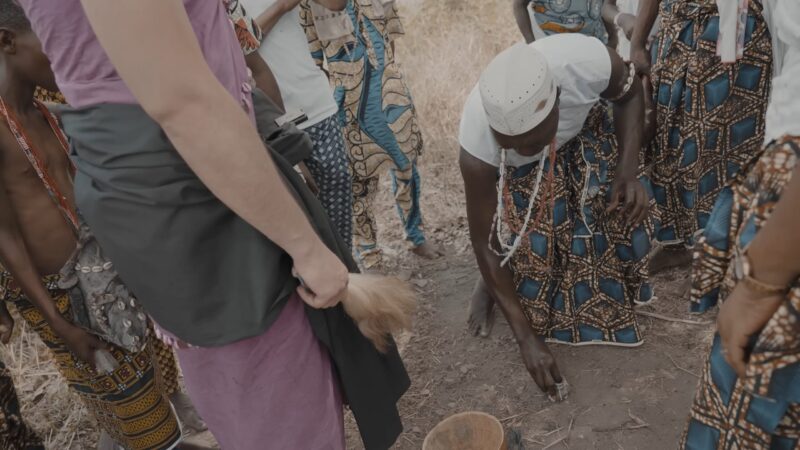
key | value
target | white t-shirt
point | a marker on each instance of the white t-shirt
(285, 48)
(580, 66)
(624, 46)
(783, 113)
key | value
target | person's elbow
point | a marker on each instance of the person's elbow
(180, 100)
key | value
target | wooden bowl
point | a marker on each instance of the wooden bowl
(467, 431)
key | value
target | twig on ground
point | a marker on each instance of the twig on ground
(513, 417)
(683, 369)
(556, 442)
(672, 319)
(627, 426)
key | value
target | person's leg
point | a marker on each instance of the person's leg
(330, 168)
(164, 360)
(365, 240)
(406, 190)
(276, 390)
(129, 403)
(14, 432)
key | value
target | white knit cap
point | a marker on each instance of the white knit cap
(517, 90)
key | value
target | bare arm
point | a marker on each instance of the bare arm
(16, 259)
(648, 11)
(774, 259)
(610, 11)
(265, 80)
(267, 19)
(628, 126)
(481, 191)
(166, 72)
(523, 19)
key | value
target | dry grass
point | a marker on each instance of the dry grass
(47, 404)
(447, 44)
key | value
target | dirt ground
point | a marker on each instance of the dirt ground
(620, 398)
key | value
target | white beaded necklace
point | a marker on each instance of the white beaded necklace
(498, 228)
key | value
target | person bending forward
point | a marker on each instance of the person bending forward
(572, 212)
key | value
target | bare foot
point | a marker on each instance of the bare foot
(669, 257)
(428, 250)
(481, 311)
(186, 413)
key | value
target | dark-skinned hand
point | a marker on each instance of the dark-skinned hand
(640, 58)
(80, 342)
(743, 315)
(541, 365)
(629, 195)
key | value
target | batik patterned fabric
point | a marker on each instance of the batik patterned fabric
(330, 168)
(570, 16)
(580, 271)
(131, 403)
(378, 116)
(710, 115)
(15, 434)
(247, 31)
(762, 410)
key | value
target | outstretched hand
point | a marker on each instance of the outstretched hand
(743, 315)
(541, 365)
(629, 194)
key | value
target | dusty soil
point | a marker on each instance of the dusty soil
(620, 398)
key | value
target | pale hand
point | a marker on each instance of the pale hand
(743, 315)
(627, 22)
(324, 278)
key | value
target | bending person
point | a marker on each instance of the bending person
(569, 246)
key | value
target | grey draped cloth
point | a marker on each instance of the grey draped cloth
(202, 272)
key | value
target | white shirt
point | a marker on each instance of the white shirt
(783, 113)
(624, 45)
(580, 66)
(285, 48)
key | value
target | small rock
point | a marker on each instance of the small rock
(420, 283)
(466, 368)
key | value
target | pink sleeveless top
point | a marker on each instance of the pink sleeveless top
(86, 76)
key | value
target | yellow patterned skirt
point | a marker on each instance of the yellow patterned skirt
(131, 404)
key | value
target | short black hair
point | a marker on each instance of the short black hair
(12, 16)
